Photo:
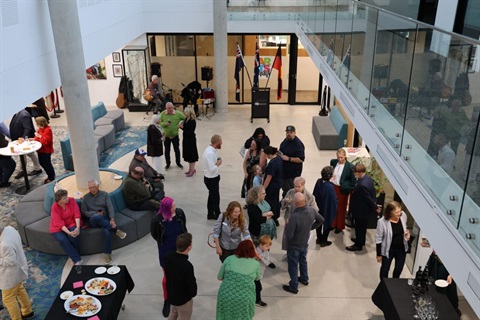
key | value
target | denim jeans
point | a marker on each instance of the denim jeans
(98, 221)
(297, 256)
(69, 244)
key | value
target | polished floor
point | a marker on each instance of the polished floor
(341, 282)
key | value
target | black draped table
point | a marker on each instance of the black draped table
(111, 304)
(394, 298)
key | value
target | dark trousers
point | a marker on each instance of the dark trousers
(225, 254)
(287, 184)
(360, 232)
(322, 232)
(213, 202)
(399, 255)
(258, 290)
(7, 167)
(45, 160)
(176, 147)
(272, 198)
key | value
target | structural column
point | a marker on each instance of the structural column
(71, 63)
(221, 58)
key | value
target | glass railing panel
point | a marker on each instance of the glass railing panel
(364, 26)
(470, 223)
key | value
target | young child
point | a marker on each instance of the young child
(265, 242)
(256, 175)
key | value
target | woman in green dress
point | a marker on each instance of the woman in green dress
(236, 296)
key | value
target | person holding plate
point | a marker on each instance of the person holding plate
(165, 227)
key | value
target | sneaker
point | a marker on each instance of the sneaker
(19, 175)
(121, 234)
(261, 303)
(78, 263)
(31, 315)
(35, 172)
(108, 258)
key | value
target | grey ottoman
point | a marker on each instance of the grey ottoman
(107, 135)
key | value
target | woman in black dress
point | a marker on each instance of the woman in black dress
(189, 144)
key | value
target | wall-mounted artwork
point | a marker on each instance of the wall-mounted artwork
(117, 70)
(116, 56)
(97, 71)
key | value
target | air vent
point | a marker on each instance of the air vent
(9, 13)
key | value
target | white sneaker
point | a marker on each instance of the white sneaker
(121, 234)
(108, 258)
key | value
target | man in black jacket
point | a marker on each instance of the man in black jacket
(21, 126)
(363, 204)
(181, 282)
(7, 165)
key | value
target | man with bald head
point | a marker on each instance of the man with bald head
(302, 220)
(138, 193)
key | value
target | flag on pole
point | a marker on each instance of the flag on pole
(239, 64)
(278, 65)
(256, 70)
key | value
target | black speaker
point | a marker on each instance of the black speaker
(156, 68)
(207, 73)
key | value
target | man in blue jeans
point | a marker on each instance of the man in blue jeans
(98, 208)
(302, 220)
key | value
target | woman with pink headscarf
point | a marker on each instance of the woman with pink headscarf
(164, 228)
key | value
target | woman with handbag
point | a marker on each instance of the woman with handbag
(259, 215)
(230, 229)
(169, 223)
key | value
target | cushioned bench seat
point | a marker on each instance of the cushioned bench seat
(33, 220)
(330, 132)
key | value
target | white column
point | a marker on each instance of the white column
(220, 51)
(71, 63)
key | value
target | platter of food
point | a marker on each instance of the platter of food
(82, 305)
(100, 286)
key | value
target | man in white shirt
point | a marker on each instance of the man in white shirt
(14, 271)
(211, 162)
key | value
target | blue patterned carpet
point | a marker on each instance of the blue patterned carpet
(45, 270)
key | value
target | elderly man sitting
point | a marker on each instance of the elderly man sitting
(150, 174)
(138, 192)
(98, 209)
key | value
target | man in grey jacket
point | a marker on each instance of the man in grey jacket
(14, 272)
(297, 231)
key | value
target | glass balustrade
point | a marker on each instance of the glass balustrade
(419, 85)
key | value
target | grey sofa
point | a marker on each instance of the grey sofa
(33, 220)
(330, 132)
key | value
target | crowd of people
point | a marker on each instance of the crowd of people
(242, 234)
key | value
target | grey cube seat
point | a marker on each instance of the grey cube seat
(27, 213)
(324, 133)
(117, 117)
(105, 135)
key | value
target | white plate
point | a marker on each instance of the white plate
(441, 283)
(100, 270)
(74, 312)
(118, 177)
(113, 270)
(111, 286)
(66, 294)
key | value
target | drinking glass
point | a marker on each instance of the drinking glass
(78, 269)
(410, 281)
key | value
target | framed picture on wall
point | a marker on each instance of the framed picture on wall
(117, 70)
(97, 71)
(116, 56)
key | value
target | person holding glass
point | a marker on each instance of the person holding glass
(229, 230)
(392, 238)
(65, 224)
